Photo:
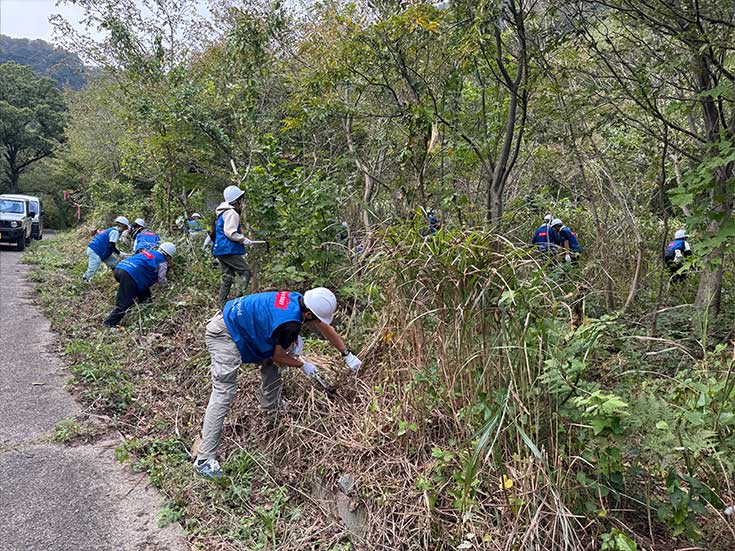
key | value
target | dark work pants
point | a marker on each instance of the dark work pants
(233, 268)
(127, 295)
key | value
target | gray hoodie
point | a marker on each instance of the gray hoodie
(231, 223)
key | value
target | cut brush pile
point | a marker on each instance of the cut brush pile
(456, 433)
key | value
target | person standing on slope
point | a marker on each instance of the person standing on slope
(103, 248)
(136, 275)
(260, 329)
(229, 244)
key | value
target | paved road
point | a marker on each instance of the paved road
(56, 497)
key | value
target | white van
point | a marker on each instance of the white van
(37, 208)
(16, 220)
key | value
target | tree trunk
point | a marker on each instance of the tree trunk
(14, 176)
(494, 205)
(10, 168)
(709, 291)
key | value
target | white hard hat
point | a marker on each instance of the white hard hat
(122, 220)
(233, 193)
(140, 222)
(168, 248)
(322, 302)
(557, 222)
(196, 215)
(680, 234)
(548, 218)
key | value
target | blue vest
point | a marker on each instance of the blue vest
(252, 319)
(223, 245)
(101, 244)
(672, 247)
(433, 224)
(146, 239)
(543, 238)
(565, 234)
(143, 267)
(194, 226)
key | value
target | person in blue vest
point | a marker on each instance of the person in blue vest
(229, 244)
(675, 252)
(145, 238)
(262, 328)
(543, 237)
(103, 248)
(565, 240)
(194, 224)
(434, 224)
(135, 228)
(136, 275)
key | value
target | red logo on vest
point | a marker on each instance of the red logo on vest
(147, 254)
(282, 300)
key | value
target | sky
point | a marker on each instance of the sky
(29, 18)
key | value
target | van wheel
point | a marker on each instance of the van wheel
(21, 245)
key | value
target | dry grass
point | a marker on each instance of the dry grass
(445, 338)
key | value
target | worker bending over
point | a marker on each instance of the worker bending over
(136, 275)
(103, 248)
(129, 235)
(145, 239)
(259, 329)
(543, 237)
(194, 224)
(566, 240)
(675, 253)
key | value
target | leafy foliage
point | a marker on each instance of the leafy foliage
(32, 119)
(62, 66)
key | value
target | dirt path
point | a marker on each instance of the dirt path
(57, 497)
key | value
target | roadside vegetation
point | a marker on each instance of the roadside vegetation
(486, 409)
(506, 401)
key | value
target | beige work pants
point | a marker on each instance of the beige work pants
(225, 364)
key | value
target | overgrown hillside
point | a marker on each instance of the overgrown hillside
(488, 415)
(403, 154)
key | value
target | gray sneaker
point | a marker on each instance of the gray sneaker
(208, 467)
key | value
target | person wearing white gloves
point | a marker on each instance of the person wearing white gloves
(676, 251)
(261, 328)
(566, 240)
(229, 244)
(103, 248)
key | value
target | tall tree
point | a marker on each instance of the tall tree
(32, 119)
(673, 60)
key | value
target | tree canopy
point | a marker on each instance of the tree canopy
(45, 59)
(32, 119)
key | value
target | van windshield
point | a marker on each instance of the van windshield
(15, 207)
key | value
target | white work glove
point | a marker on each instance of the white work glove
(567, 258)
(297, 347)
(309, 369)
(353, 362)
(247, 242)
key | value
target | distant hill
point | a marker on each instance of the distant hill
(64, 67)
